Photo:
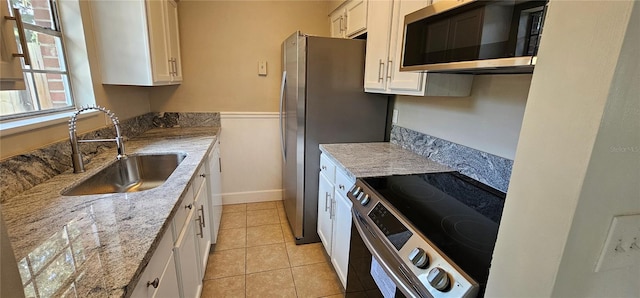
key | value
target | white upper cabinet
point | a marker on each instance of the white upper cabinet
(385, 37)
(11, 77)
(350, 19)
(174, 40)
(337, 23)
(138, 42)
(378, 35)
(356, 17)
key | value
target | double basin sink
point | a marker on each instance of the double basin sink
(131, 174)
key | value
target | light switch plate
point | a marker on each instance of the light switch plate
(262, 68)
(622, 247)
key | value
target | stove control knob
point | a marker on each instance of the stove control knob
(365, 200)
(438, 279)
(419, 258)
(356, 191)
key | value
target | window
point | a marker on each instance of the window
(47, 78)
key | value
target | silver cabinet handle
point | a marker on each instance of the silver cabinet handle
(341, 26)
(345, 24)
(199, 220)
(332, 212)
(380, 66)
(154, 283)
(201, 209)
(175, 66)
(389, 70)
(23, 39)
(326, 201)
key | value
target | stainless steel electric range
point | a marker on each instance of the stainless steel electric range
(432, 234)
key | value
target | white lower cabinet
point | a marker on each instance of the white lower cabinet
(334, 214)
(325, 218)
(215, 191)
(202, 228)
(178, 265)
(341, 237)
(159, 279)
(186, 256)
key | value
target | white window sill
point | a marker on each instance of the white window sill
(24, 125)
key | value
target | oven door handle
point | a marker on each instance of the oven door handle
(380, 251)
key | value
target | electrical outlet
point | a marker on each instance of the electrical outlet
(394, 118)
(622, 247)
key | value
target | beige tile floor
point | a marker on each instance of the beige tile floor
(256, 257)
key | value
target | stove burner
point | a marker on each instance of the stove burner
(473, 232)
(417, 191)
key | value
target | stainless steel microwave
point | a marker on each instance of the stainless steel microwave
(474, 36)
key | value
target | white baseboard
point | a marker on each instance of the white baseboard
(251, 196)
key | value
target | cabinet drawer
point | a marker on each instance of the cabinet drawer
(183, 210)
(343, 182)
(199, 179)
(328, 168)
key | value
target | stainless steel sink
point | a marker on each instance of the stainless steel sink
(135, 173)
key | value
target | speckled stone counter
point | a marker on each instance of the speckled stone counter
(379, 159)
(98, 245)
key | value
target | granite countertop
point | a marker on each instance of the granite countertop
(98, 245)
(379, 159)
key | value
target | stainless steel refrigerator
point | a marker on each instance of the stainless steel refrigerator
(322, 101)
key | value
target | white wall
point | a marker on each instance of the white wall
(251, 158)
(611, 185)
(568, 181)
(221, 44)
(489, 120)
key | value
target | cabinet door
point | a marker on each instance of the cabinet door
(325, 198)
(157, 270)
(341, 236)
(202, 227)
(375, 70)
(168, 286)
(215, 191)
(187, 260)
(406, 83)
(174, 41)
(158, 41)
(11, 77)
(337, 23)
(355, 17)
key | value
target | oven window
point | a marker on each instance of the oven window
(390, 226)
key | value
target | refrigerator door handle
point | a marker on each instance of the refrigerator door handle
(282, 144)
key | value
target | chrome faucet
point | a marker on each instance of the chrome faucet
(76, 155)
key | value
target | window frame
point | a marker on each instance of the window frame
(29, 71)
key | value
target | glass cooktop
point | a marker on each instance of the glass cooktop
(456, 213)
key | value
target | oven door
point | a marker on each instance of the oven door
(367, 251)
